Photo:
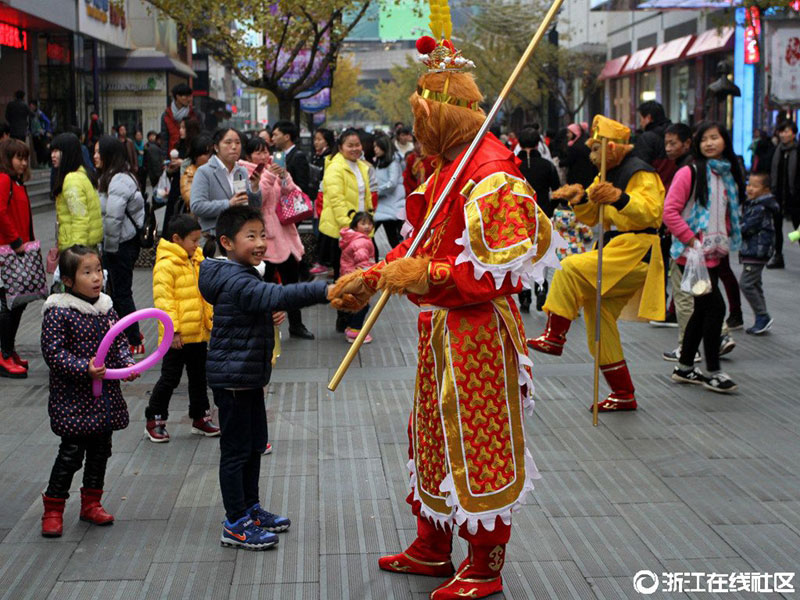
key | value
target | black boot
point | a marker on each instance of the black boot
(541, 295)
(524, 301)
(776, 262)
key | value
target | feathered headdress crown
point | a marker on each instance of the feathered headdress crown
(437, 52)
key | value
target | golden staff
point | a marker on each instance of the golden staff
(420, 235)
(599, 297)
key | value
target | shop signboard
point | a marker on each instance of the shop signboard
(784, 65)
(13, 37)
(105, 21)
(136, 81)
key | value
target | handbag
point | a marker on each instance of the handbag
(294, 207)
(22, 275)
(147, 233)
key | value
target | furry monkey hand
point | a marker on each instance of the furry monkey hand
(572, 194)
(604, 193)
(350, 293)
(407, 275)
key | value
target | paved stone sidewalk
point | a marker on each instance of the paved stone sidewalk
(692, 482)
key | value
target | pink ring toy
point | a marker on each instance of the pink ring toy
(116, 329)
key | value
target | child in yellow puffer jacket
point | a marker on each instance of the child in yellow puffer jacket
(175, 292)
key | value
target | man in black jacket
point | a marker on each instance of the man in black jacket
(785, 177)
(649, 145)
(284, 137)
(17, 115)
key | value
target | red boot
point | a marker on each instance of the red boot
(429, 554)
(91, 509)
(8, 368)
(477, 577)
(554, 337)
(19, 361)
(53, 517)
(619, 380)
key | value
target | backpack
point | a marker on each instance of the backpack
(147, 233)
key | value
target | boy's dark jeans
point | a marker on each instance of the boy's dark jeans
(97, 449)
(243, 424)
(193, 357)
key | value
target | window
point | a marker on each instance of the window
(680, 106)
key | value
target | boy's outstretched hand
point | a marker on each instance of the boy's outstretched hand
(349, 293)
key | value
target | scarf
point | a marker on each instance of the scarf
(699, 214)
(179, 113)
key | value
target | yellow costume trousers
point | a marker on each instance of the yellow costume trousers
(571, 291)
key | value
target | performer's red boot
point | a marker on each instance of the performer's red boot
(477, 577)
(554, 337)
(619, 380)
(429, 554)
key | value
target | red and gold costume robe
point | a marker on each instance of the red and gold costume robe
(469, 463)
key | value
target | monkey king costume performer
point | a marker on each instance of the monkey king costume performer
(468, 461)
(632, 266)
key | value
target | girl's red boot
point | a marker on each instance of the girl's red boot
(53, 517)
(91, 509)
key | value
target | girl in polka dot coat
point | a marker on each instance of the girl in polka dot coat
(73, 325)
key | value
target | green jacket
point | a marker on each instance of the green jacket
(78, 212)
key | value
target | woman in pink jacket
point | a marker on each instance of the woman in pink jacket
(284, 248)
(358, 252)
(703, 210)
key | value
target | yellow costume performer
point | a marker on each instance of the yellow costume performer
(469, 464)
(633, 196)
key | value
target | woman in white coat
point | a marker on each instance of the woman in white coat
(391, 210)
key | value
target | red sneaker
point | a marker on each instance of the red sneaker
(156, 430)
(21, 362)
(9, 368)
(205, 427)
(267, 450)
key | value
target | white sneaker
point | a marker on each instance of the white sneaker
(675, 355)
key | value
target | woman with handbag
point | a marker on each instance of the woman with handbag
(284, 248)
(16, 228)
(123, 211)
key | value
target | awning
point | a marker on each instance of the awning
(148, 59)
(613, 67)
(670, 52)
(713, 40)
(637, 61)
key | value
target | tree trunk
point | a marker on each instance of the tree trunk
(285, 108)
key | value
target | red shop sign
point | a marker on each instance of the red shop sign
(13, 37)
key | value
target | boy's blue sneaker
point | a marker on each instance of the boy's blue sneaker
(762, 325)
(244, 533)
(266, 520)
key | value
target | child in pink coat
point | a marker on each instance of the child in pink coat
(358, 252)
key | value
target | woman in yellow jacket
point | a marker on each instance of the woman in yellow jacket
(78, 214)
(175, 291)
(345, 190)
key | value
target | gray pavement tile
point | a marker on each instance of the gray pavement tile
(98, 590)
(672, 531)
(769, 548)
(788, 511)
(31, 462)
(627, 481)
(163, 459)
(28, 525)
(764, 478)
(8, 444)
(211, 580)
(711, 566)
(346, 406)
(200, 488)
(142, 497)
(671, 458)
(544, 579)
(207, 452)
(3, 534)
(604, 546)
(392, 429)
(292, 397)
(291, 496)
(716, 442)
(348, 442)
(286, 591)
(293, 561)
(289, 457)
(353, 478)
(617, 588)
(571, 494)
(29, 571)
(191, 535)
(358, 576)
(384, 351)
(549, 452)
(594, 443)
(394, 457)
(20, 419)
(533, 538)
(719, 501)
(16, 496)
(362, 527)
(120, 551)
(293, 426)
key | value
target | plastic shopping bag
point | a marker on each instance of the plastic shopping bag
(696, 280)
(161, 193)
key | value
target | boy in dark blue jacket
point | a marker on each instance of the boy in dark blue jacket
(758, 244)
(239, 366)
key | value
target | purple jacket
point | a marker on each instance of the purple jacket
(71, 333)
